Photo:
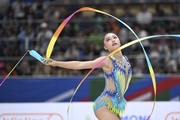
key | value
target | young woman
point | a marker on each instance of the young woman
(110, 105)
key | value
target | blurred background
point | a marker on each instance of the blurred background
(30, 24)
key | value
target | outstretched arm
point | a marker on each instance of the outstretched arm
(77, 65)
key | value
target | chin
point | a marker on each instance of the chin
(116, 47)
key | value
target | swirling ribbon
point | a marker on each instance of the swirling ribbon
(60, 28)
(62, 25)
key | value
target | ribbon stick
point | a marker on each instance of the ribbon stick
(36, 55)
(13, 68)
(33, 53)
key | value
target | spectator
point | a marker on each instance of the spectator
(115, 26)
(174, 22)
(72, 53)
(51, 16)
(43, 38)
(68, 31)
(7, 68)
(38, 8)
(140, 33)
(98, 21)
(41, 70)
(95, 37)
(160, 11)
(87, 41)
(159, 16)
(129, 19)
(154, 55)
(26, 39)
(164, 51)
(91, 52)
(144, 16)
(36, 4)
(3, 43)
(175, 52)
(127, 16)
(11, 38)
(80, 39)
(24, 69)
(30, 15)
(171, 67)
(9, 21)
(16, 52)
(58, 55)
(10, 34)
(5, 52)
(139, 67)
(2, 64)
(19, 9)
(3, 6)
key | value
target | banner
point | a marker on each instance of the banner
(60, 89)
(84, 111)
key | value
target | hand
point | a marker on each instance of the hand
(49, 62)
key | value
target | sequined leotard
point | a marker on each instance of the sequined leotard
(116, 84)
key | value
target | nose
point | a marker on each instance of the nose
(113, 40)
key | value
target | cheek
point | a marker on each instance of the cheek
(108, 44)
(118, 41)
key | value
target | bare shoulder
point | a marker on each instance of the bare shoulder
(107, 63)
(104, 59)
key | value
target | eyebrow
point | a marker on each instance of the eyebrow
(107, 37)
(111, 36)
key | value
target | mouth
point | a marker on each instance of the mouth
(114, 44)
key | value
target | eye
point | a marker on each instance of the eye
(107, 39)
(115, 37)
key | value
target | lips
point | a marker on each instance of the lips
(114, 44)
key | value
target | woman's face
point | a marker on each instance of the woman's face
(111, 42)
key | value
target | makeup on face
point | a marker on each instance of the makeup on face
(111, 41)
(113, 38)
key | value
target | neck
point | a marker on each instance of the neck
(118, 55)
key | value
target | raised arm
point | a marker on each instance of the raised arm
(77, 65)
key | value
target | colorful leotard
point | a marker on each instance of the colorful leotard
(116, 84)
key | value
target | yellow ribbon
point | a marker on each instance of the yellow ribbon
(62, 25)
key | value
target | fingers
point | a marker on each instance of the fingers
(45, 60)
(48, 61)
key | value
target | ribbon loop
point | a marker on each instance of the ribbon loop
(60, 28)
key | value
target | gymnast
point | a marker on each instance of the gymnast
(110, 104)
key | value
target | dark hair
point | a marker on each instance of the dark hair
(103, 40)
(104, 34)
